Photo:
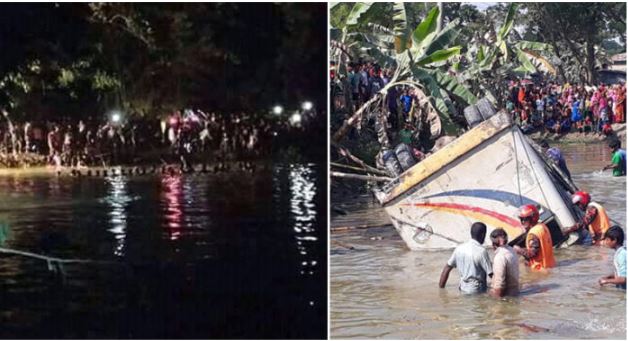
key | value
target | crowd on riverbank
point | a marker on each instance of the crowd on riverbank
(118, 140)
(564, 108)
(542, 106)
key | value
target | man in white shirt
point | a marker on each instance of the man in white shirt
(472, 261)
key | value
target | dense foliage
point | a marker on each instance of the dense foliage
(77, 59)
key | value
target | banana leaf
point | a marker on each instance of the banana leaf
(423, 77)
(427, 26)
(444, 38)
(533, 45)
(480, 56)
(508, 23)
(380, 29)
(440, 55)
(540, 62)
(526, 64)
(503, 48)
(399, 19)
(356, 12)
(402, 39)
(452, 86)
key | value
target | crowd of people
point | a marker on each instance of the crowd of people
(116, 140)
(365, 79)
(536, 106)
(565, 108)
(475, 266)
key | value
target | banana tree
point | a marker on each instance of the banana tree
(417, 56)
(497, 56)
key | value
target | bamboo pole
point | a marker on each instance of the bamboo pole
(358, 169)
(359, 177)
(346, 153)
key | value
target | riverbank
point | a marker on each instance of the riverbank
(138, 170)
(619, 131)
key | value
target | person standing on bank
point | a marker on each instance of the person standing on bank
(505, 280)
(472, 261)
(539, 252)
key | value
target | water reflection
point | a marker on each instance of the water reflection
(117, 199)
(171, 197)
(233, 255)
(302, 190)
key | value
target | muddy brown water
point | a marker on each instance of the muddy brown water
(381, 289)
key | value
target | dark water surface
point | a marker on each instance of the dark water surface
(381, 289)
(235, 255)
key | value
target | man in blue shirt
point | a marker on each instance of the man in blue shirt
(406, 101)
(614, 239)
(557, 156)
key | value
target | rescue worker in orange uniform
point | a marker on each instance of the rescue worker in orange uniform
(539, 251)
(594, 223)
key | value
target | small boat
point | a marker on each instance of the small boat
(484, 175)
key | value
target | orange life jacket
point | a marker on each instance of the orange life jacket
(545, 258)
(601, 223)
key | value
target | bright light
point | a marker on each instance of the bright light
(277, 109)
(307, 105)
(115, 117)
(295, 118)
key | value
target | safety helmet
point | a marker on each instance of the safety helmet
(529, 211)
(581, 197)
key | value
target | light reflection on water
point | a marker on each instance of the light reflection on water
(118, 199)
(198, 255)
(302, 205)
(171, 193)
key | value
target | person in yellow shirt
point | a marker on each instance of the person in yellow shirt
(539, 252)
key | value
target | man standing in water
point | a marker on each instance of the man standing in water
(505, 280)
(614, 239)
(473, 262)
(618, 160)
(593, 224)
(539, 252)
